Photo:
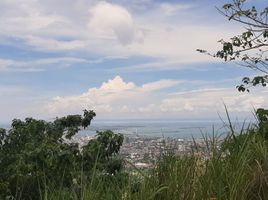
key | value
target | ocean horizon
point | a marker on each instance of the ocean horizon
(157, 128)
(185, 129)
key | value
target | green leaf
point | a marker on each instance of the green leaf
(227, 6)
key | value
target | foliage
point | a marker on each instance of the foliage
(250, 47)
(262, 115)
(103, 149)
(34, 153)
(235, 168)
(38, 162)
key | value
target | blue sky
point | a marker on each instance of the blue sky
(124, 59)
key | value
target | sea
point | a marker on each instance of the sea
(160, 128)
(172, 129)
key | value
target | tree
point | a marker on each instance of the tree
(103, 149)
(249, 48)
(35, 152)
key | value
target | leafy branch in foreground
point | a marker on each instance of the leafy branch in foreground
(249, 48)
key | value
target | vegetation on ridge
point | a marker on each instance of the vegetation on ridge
(34, 153)
(36, 162)
(40, 165)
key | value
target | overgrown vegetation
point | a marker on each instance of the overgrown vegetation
(35, 154)
(237, 169)
(37, 164)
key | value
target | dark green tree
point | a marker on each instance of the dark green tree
(102, 151)
(250, 47)
(34, 153)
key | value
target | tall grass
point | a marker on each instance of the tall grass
(235, 169)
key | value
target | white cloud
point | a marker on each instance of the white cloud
(106, 18)
(41, 64)
(119, 99)
(159, 85)
(112, 96)
(26, 17)
(50, 44)
(110, 29)
(171, 9)
(165, 65)
(209, 101)
(116, 84)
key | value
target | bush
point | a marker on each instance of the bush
(34, 154)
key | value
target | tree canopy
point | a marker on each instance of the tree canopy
(33, 152)
(250, 47)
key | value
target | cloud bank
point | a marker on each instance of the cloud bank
(119, 99)
(167, 32)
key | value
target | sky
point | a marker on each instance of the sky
(124, 59)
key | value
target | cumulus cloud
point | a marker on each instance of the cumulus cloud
(116, 84)
(115, 96)
(106, 18)
(119, 99)
(164, 34)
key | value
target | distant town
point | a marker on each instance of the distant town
(140, 151)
